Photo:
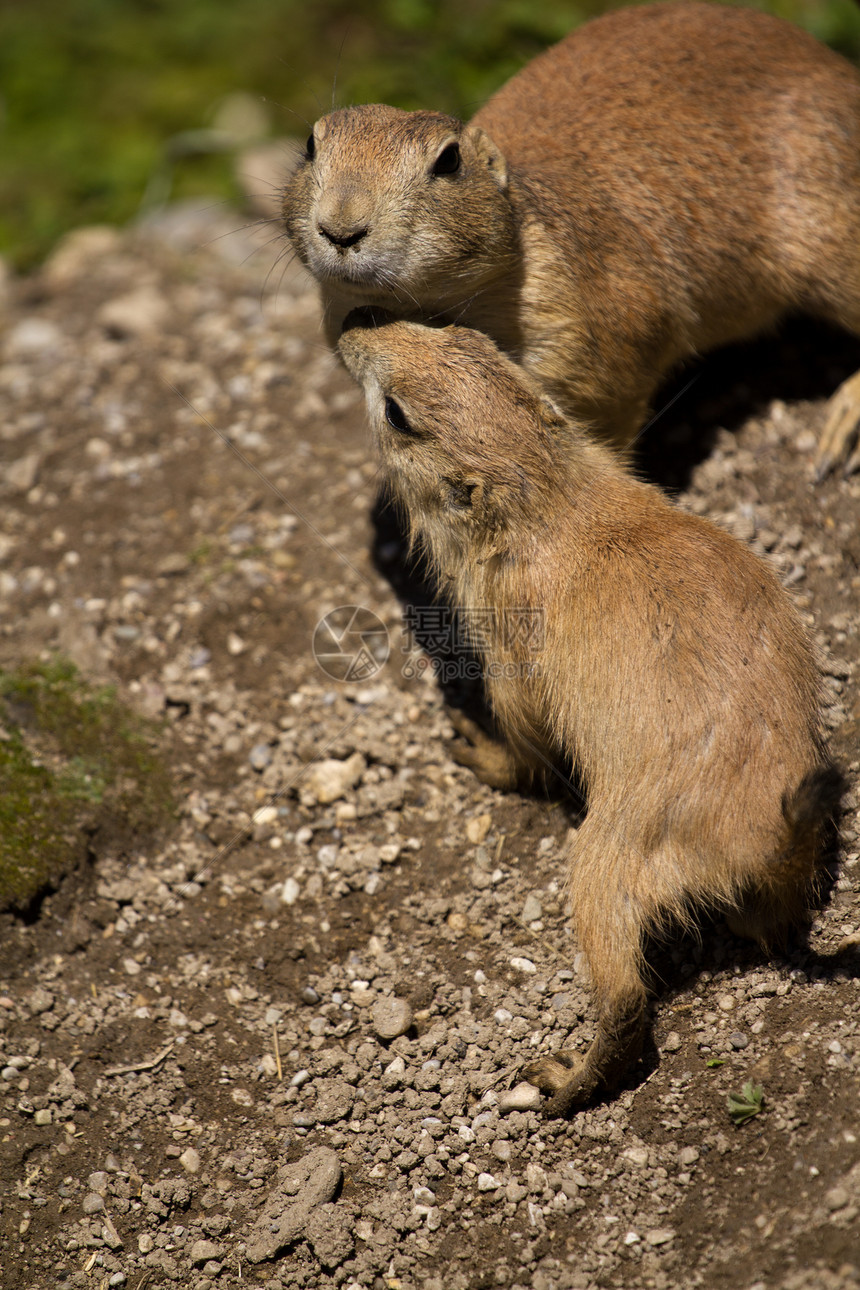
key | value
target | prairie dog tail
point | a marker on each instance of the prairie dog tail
(815, 800)
(782, 892)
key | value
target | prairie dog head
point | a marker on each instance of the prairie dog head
(470, 445)
(400, 208)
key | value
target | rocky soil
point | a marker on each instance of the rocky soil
(280, 1047)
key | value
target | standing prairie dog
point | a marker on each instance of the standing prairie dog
(673, 673)
(667, 179)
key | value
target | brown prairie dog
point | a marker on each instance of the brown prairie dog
(667, 179)
(674, 672)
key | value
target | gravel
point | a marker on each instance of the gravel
(281, 1045)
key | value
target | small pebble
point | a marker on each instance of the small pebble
(637, 1156)
(523, 1097)
(203, 1251)
(32, 335)
(391, 1017)
(326, 781)
(260, 756)
(478, 828)
(523, 965)
(738, 1041)
(40, 1001)
(660, 1236)
(836, 1198)
(532, 909)
(289, 895)
(486, 1182)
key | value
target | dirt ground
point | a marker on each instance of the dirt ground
(279, 1046)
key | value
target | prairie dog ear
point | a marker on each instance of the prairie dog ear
(465, 494)
(552, 418)
(487, 152)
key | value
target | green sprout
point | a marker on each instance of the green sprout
(744, 1105)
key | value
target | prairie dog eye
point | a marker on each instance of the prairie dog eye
(396, 417)
(448, 161)
(310, 147)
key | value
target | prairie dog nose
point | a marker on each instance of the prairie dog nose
(343, 214)
(343, 239)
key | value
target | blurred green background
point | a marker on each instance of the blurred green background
(92, 92)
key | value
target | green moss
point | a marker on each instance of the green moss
(75, 766)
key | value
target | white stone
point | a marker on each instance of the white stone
(137, 313)
(523, 1097)
(478, 828)
(22, 474)
(326, 781)
(190, 1160)
(290, 891)
(637, 1156)
(532, 909)
(33, 336)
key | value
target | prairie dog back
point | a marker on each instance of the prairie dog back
(666, 179)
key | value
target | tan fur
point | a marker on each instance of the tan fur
(675, 674)
(667, 179)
